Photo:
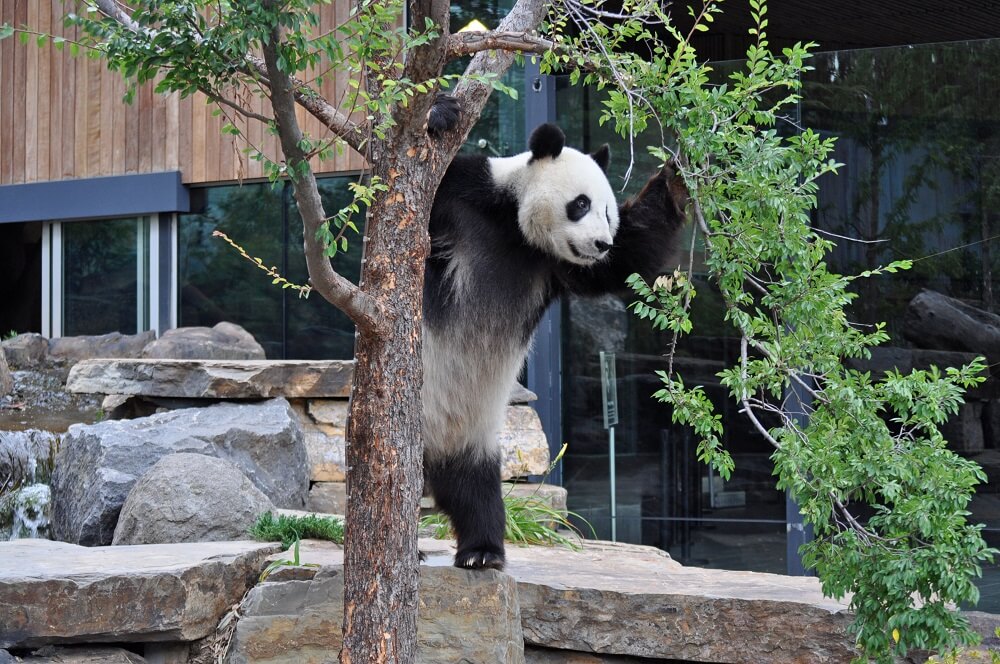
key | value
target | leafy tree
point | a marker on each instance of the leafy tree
(866, 442)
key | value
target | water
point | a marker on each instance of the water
(26, 461)
(31, 507)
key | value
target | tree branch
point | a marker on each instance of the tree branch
(467, 43)
(365, 311)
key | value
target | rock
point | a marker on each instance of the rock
(641, 603)
(114, 344)
(25, 351)
(98, 464)
(327, 498)
(57, 592)
(83, 655)
(6, 380)
(522, 439)
(214, 379)
(464, 616)
(599, 323)
(964, 431)
(323, 422)
(521, 395)
(627, 600)
(225, 341)
(536, 655)
(553, 496)
(190, 498)
(936, 321)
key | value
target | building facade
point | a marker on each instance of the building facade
(107, 212)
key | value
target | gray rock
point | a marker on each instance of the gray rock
(7, 658)
(599, 323)
(536, 655)
(83, 655)
(98, 464)
(636, 601)
(964, 431)
(521, 395)
(53, 592)
(214, 379)
(25, 350)
(225, 341)
(6, 380)
(625, 600)
(327, 498)
(114, 344)
(463, 616)
(523, 443)
(190, 498)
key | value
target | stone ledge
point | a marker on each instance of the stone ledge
(636, 601)
(213, 379)
(53, 592)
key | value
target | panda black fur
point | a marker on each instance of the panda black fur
(509, 235)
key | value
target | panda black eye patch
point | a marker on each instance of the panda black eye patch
(578, 208)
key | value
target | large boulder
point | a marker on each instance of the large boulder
(225, 341)
(98, 464)
(25, 350)
(114, 344)
(190, 498)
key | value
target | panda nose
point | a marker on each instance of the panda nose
(601, 245)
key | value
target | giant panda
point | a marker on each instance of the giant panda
(508, 236)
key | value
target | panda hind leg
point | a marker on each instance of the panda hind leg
(468, 491)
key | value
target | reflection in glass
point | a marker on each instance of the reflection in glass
(218, 284)
(918, 132)
(101, 276)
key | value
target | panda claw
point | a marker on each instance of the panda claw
(480, 560)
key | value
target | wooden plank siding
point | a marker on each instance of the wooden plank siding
(63, 117)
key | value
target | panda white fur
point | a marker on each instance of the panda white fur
(509, 235)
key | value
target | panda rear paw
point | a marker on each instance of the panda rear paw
(480, 559)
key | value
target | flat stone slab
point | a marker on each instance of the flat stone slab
(213, 379)
(631, 600)
(53, 592)
(463, 616)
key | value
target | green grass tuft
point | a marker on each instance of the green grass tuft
(289, 529)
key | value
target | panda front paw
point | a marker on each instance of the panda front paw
(444, 114)
(480, 559)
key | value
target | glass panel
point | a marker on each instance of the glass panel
(216, 283)
(100, 276)
(316, 328)
(918, 132)
(500, 128)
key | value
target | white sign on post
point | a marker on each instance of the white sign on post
(609, 391)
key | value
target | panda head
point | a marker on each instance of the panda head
(566, 206)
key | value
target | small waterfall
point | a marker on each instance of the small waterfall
(31, 507)
(26, 459)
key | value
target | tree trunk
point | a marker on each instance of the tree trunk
(385, 441)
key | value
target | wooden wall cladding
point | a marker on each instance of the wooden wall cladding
(63, 117)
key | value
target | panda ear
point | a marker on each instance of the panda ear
(546, 141)
(602, 157)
